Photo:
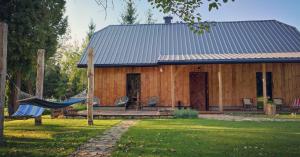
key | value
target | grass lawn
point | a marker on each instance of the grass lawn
(56, 137)
(210, 138)
(277, 116)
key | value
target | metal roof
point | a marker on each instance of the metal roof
(152, 44)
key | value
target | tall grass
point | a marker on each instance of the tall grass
(185, 113)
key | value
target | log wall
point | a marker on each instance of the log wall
(239, 81)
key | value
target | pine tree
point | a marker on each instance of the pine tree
(92, 27)
(130, 15)
(150, 19)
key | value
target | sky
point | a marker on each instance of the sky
(81, 12)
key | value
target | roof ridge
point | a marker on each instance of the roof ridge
(139, 24)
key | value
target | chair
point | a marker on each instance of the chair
(121, 102)
(152, 103)
(248, 103)
(295, 105)
(278, 102)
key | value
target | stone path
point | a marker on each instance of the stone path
(240, 118)
(103, 145)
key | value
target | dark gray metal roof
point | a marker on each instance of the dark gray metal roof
(152, 44)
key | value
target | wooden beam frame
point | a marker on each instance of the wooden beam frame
(90, 95)
(40, 80)
(264, 80)
(3, 70)
(172, 87)
(220, 88)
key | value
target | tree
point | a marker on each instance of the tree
(129, 16)
(33, 24)
(186, 10)
(92, 27)
(150, 19)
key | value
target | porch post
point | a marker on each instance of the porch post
(220, 88)
(172, 87)
(264, 80)
(39, 80)
(3, 57)
(90, 95)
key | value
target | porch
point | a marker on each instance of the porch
(223, 85)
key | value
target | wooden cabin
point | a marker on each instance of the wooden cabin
(210, 71)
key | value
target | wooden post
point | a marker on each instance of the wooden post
(264, 80)
(90, 95)
(220, 88)
(3, 57)
(39, 80)
(172, 87)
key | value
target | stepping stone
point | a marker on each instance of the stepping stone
(102, 146)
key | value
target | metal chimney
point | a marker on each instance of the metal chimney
(168, 19)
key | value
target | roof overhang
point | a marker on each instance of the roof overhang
(284, 57)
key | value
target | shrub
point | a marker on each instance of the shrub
(185, 113)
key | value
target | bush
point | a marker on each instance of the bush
(185, 113)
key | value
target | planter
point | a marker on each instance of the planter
(271, 109)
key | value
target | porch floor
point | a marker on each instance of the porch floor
(125, 114)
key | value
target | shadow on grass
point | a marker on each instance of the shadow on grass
(53, 138)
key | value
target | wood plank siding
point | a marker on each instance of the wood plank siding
(239, 81)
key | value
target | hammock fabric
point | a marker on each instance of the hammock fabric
(34, 107)
(53, 105)
(28, 110)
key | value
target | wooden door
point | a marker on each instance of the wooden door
(133, 90)
(198, 91)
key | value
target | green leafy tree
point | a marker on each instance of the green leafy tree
(130, 14)
(149, 17)
(186, 10)
(33, 24)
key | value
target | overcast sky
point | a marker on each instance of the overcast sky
(81, 12)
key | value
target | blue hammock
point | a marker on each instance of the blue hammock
(34, 107)
(28, 110)
(53, 105)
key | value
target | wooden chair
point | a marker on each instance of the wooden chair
(295, 107)
(279, 103)
(248, 104)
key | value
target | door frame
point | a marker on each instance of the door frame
(206, 89)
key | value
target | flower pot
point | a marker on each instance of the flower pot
(271, 109)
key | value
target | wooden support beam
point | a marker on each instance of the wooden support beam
(220, 88)
(40, 80)
(172, 87)
(90, 95)
(264, 80)
(3, 70)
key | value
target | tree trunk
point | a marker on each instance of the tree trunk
(13, 98)
(30, 87)
(3, 70)
(18, 83)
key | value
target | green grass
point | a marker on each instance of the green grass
(55, 138)
(79, 107)
(210, 138)
(277, 116)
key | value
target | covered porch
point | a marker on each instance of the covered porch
(205, 87)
